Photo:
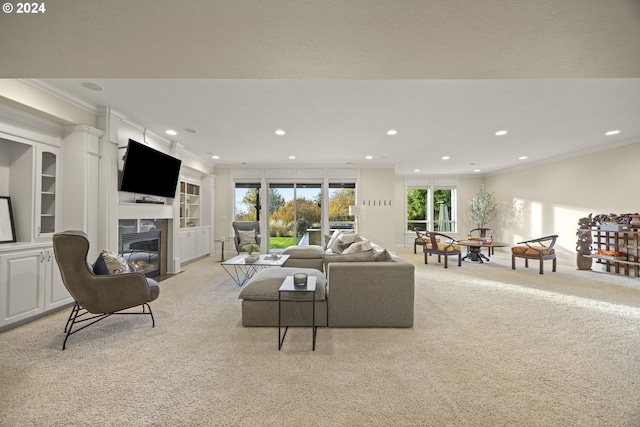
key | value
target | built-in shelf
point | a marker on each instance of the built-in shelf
(189, 205)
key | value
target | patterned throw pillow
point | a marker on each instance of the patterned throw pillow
(247, 237)
(109, 262)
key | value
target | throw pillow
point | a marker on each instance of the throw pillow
(365, 256)
(334, 239)
(349, 238)
(246, 237)
(341, 246)
(382, 256)
(360, 246)
(109, 262)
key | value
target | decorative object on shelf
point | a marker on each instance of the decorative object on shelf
(583, 245)
(7, 227)
(635, 220)
(300, 279)
(482, 207)
(253, 252)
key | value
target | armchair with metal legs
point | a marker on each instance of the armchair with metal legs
(98, 296)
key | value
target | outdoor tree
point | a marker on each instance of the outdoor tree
(482, 208)
(417, 204)
(307, 214)
(339, 203)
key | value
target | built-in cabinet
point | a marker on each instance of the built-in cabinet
(195, 243)
(30, 283)
(46, 191)
(31, 166)
(189, 204)
(196, 194)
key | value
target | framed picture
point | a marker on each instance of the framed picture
(7, 228)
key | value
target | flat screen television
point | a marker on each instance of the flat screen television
(149, 171)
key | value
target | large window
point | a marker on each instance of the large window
(432, 208)
(341, 196)
(295, 215)
(247, 202)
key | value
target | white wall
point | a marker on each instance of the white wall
(377, 190)
(550, 198)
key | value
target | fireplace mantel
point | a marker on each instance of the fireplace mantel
(145, 210)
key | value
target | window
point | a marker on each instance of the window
(247, 202)
(432, 208)
(341, 196)
(417, 208)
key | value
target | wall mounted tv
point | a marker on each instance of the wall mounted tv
(149, 171)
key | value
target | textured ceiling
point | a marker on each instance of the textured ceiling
(328, 39)
(336, 74)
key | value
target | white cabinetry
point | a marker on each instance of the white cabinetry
(203, 242)
(187, 245)
(194, 243)
(46, 191)
(30, 284)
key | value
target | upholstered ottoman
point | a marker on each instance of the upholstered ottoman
(304, 256)
(260, 299)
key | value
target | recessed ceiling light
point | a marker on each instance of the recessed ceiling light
(445, 157)
(392, 132)
(292, 157)
(612, 132)
(215, 157)
(522, 158)
(416, 170)
(172, 132)
(189, 130)
(476, 170)
(92, 86)
(501, 132)
(280, 132)
(369, 157)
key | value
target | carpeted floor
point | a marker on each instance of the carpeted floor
(490, 347)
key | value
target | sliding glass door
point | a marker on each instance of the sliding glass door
(295, 214)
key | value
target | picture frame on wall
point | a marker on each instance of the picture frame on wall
(7, 227)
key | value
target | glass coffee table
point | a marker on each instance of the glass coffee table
(241, 271)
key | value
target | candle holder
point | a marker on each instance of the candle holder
(300, 279)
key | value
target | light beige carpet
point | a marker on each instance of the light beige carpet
(490, 347)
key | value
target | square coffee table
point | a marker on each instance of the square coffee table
(241, 271)
(288, 286)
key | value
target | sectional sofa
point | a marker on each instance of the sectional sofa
(367, 288)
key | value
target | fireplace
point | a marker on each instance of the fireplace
(142, 245)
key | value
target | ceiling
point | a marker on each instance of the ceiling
(340, 122)
(337, 74)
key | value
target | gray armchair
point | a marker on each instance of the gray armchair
(97, 296)
(242, 231)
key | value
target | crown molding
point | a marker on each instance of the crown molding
(75, 101)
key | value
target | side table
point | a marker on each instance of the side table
(288, 286)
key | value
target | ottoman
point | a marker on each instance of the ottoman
(260, 299)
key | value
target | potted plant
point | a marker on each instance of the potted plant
(253, 252)
(482, 208)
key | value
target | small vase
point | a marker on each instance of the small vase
(635, 221)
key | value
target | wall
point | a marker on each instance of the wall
(377, 221)
(223, 209)
(550, 198)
